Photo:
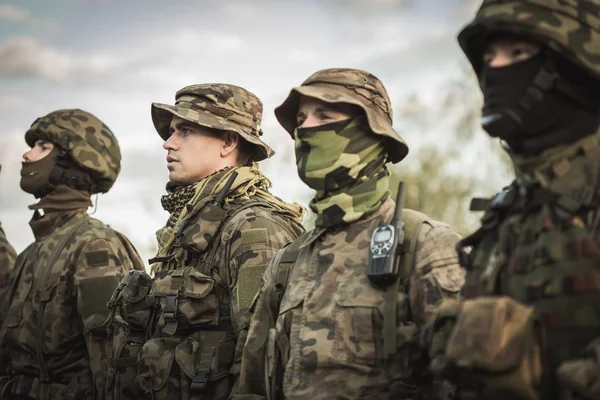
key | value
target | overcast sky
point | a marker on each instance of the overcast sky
(114, 57)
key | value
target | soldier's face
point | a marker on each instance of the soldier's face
(40, 149)
(314, 112)
(193, 152)
(504, 52)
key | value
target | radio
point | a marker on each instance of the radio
(386, 246)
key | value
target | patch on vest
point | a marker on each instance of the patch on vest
(450, 278)
(248, 284)
(256, 236)
(97, 258)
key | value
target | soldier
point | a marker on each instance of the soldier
(175, 335)
(334, 333)
(52, 340)
(532, 298)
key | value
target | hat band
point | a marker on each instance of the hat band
(219, 112)
(374, 97)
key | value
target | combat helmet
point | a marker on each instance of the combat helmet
(569, 28)
(220, 106)
(352, 86)
(83, 139)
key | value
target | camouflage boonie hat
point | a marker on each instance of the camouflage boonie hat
(219, 106)
(90, 143)
(352, 86)
(571, 28)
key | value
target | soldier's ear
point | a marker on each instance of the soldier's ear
(231, 142)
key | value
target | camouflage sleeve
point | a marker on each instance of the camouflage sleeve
(437, 274)
(8, 257)
(250, 383)
(101, 265)
(254, 242)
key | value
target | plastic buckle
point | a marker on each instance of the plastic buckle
(200, 380)
(170, 311)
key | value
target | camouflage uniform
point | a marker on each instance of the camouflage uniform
(52, 340)
(175, 335)
(532, 289)
(329, 327)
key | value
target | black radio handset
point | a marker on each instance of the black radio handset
(386, 246)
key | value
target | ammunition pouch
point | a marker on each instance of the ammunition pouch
(494, 349)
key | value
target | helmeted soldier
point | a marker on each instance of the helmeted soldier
(175, 334)
(52, 341)
(529, 326)
(321, 328)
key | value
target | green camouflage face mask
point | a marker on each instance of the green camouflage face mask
(345, 163)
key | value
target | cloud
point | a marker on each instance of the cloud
(21, 15)
(28, 56)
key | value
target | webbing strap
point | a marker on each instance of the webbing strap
(200, 381)
(44, 299)
(412, 226)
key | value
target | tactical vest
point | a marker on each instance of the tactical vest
(283, 264)
(172, 335)
(541, 249)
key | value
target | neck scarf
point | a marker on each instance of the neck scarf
(345, 163)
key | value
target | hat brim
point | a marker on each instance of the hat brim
(162, 114)
(286, 114)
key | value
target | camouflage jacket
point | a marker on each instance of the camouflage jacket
(540, 245)
(330, 322)
(66, 341)
(188, 348)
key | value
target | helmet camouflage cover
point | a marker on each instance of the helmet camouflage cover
(570, 28)
(218, 106)
(90, 143)
(352, 86)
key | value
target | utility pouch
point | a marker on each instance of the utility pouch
(130, 308)
(580, 379)
(496, 349)
(189, 368)
(188, 299)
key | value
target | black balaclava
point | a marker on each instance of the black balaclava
(539, 103)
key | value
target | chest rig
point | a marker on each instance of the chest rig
(172, 335)
(540, 248)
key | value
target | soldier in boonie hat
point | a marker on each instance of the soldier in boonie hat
(222, 107)
(340, 328)
(348, 86)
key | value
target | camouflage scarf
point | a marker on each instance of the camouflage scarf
(345, 163)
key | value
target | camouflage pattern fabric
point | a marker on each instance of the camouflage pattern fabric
(7, 258)
(345, 163)
(219, 106)
(351, 86)
(90, 143)
(330, 324)
(207, 270)
(545, 251)
(571, 28)
(81, 281)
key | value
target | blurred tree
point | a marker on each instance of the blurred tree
(451, 159)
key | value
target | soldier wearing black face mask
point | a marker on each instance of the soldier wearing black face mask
(528, 326)
(537, 102)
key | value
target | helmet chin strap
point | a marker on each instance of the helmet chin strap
(502, 122)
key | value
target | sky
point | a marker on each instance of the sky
(113, 58)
